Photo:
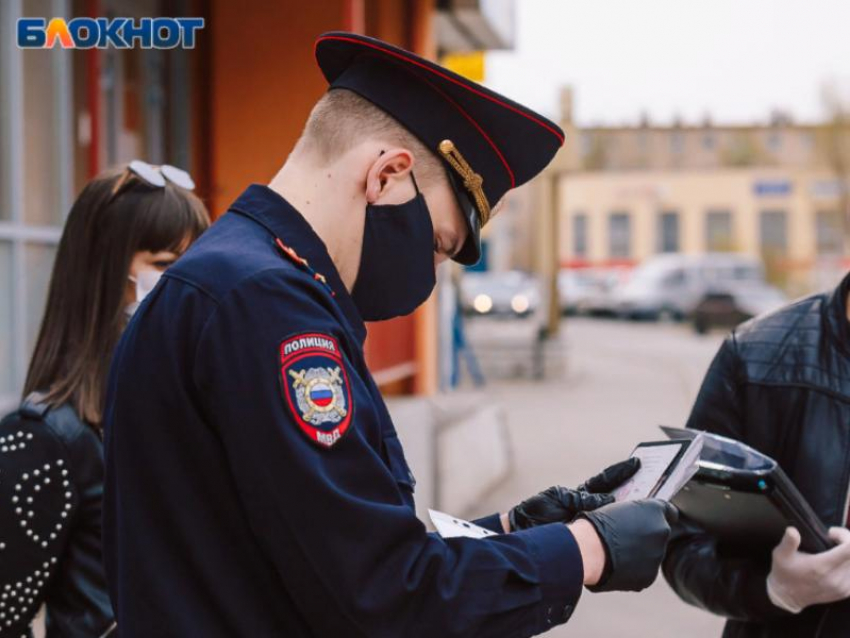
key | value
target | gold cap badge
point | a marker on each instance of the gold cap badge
(472, 181)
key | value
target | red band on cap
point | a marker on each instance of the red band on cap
(446, 77)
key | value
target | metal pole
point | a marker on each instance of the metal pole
(554, 323)
(63, 109)
(14, 126)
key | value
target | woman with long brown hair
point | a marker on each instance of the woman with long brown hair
(126, 227)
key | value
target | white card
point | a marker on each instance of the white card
(452, 527)
(654, 461)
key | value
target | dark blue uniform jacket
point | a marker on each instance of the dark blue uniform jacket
(255, 484)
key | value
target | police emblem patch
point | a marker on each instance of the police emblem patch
(316, 386)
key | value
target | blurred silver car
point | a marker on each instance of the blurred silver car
(588, 291)
(671, 286)
(506, 294)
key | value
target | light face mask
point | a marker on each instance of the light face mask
(397, 261)
(145, 282)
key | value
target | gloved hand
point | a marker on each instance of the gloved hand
(635, 535)
(798, 579)
(561, 505)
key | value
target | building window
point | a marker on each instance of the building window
(36, 175)
(668, 232)
(773, 225)
(580, 235)
(642, 141)
(829, 233)
(708, 141)
(774, 141)
(619, 235)
(718, 231)
(677, 142)
(587, 144)
(808, 140)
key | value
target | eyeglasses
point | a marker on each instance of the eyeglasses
(157, 175)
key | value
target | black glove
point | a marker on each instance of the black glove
(612, 477)
(635, 535)
(561, 505)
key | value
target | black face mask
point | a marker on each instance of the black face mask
(397, 263)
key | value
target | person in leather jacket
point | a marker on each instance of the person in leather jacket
(124, 229)
(781, 384)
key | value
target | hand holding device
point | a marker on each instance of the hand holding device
(635, 536)
(798, 580)
(561, 505)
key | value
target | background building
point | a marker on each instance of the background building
(777, 190)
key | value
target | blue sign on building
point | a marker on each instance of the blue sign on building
(772, 187)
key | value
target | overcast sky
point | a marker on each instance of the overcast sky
(733, 59)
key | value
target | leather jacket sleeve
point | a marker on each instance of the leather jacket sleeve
(77, 600)
(702, 572)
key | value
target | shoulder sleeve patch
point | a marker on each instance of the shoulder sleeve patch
(316, 387)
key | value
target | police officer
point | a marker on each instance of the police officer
(255, 483)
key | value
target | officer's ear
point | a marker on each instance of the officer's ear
(387, 173)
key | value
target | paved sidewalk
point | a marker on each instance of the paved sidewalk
(622, 380)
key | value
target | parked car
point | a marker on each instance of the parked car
(736, 304)
(589, 291)
(506, 294)
(581, 290)
(671, 286)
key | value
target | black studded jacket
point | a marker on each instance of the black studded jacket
(780, 383)
(51, 489)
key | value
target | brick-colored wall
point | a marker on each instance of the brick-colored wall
(262, 81)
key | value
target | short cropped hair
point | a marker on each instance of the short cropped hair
(341, 119)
